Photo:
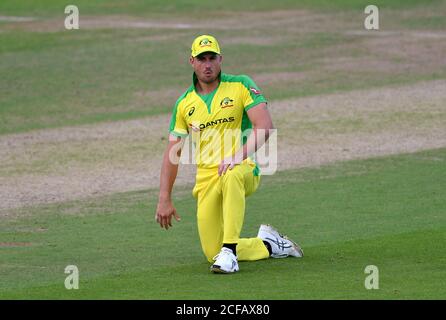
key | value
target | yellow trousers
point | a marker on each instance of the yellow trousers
(221, 210)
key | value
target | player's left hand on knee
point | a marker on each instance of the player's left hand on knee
(228, 163)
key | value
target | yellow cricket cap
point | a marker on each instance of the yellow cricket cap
(204, 43)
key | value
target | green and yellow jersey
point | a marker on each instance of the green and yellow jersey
(217, 121)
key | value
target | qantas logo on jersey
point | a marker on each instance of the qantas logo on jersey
(203, 126)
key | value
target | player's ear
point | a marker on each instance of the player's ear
(191, 60)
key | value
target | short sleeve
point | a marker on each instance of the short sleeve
(178, 126)
(253, 96)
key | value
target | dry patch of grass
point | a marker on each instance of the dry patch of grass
(360, 124)
(87, 161)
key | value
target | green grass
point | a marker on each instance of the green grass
(80, 79)
(61, 78)
(139, 7)
(389, 212)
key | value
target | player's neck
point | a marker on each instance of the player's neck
(205, 88)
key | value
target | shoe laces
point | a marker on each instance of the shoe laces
(220, 253)
(280, 235)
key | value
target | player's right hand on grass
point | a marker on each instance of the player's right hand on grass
(164, 212)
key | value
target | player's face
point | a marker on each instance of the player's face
(207, 66)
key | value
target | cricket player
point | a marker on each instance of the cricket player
(217, 106)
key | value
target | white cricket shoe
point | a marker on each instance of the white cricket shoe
(225, 262)
(281, 246)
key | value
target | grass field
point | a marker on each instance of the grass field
(361, 118)
(52, 77)
(389, 212)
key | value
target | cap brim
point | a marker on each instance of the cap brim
(205, 51)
